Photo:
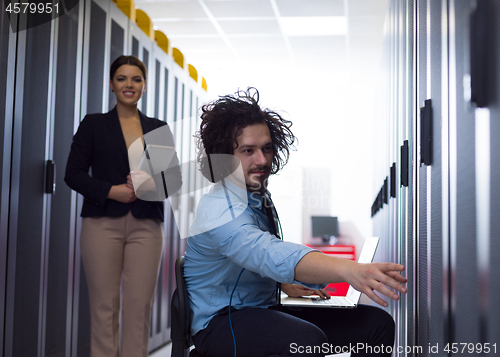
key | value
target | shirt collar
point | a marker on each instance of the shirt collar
(253, 199)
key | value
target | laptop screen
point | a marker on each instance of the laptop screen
(366, 256)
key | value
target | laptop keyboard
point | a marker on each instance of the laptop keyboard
(332, 301)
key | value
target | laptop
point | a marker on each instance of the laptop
(351, 299)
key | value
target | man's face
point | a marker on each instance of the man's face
(255, 151)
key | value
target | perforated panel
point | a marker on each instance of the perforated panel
(436, 303)
(408, 214)
(422, 262)
(422, 239)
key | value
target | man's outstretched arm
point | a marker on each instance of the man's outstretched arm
(319, 268)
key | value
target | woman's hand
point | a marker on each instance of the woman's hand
(122, 193)
(130, 182)
(142, 183)
(295, 290)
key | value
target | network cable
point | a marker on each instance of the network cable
(230, 301)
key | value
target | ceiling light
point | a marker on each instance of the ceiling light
(314, 26)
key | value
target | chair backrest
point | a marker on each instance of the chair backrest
(180, 323)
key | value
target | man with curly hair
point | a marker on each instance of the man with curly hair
(235, 258)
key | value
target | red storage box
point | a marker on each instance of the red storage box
(338, 251)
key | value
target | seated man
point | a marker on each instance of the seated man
(234, 257)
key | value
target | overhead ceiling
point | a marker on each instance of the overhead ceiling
(218, 33)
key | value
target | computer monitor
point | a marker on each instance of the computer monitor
(325, 227)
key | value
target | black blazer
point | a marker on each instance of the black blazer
(99, 144)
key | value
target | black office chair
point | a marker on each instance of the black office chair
(180, 323)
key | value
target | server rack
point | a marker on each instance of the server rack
(54, 74)
(8, 41)
(442, 223)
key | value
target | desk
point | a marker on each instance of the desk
(338, 251)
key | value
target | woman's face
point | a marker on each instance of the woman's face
(128, 84)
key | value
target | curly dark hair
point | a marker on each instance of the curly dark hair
(224, 119)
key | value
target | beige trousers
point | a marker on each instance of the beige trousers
(121, 252)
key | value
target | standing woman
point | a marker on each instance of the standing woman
(121, 238)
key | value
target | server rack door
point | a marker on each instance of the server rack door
(142, 47)
(116, 50)
(117, 45)
(437, 173)
(159, 312)
(406, 194)
(119, 23)
(94, 81)
(157, 87)
(182, 133)
(145, 97)
(193, 98)
(96, 56)
(433, 239)
(60, 279)
(421, 185)
(177, 133)
(465, 293)
(7, 80)
(135, 39)
(403, 214)
(29, 205)
(185, 139)
(391, 210)
(169, 226)
(490, 309)
(199, 177)
(481, 152)
(176, 107)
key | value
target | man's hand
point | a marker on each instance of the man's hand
(122, 193)
(368, 278)
(295, 290)
(318, 268)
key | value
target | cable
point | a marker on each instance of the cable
(281, 230)
(280, 236)
(278, 287)
(230, 301)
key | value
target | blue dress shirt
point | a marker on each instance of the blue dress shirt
(231, 232)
